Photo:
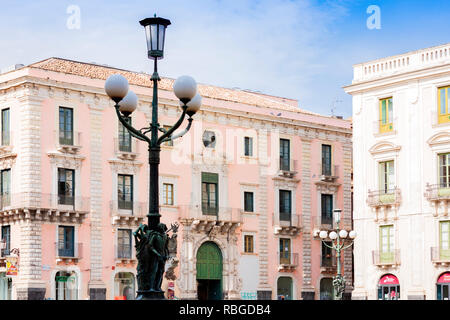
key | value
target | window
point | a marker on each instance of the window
(125, 191)
(248, 146)
(285, 251)
(168, 143)
(443, 104)
(284, 154)
(386, 177)
(5, 187)
(66, 186)
(327, 209)
(386, 115)
(326, 160)
(168, 194)
(209, 139)
(444, 170)
(66, 245)
(210, 194)
(444, 240)
(6, 239)
(124, 286)
(5, 127)
(124, 137)
(387, 244)
(327, 255)
(248, 201)
(66, 285)
(65, 126)
(285, 205)
(124, 243)
(248, 244)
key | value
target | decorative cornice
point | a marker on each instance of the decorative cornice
(384, 147)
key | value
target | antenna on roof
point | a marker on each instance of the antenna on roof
(333, 105)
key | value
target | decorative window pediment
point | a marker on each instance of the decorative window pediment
(384, 147)
(439, 138)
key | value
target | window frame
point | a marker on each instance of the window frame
(122, 202)
(6, 134)
(443, 117)
(386, 123)
(66, 136)
(6, 229)
(66, 251)
(248, 146)
(166, 194)
(246, 209)
(65, 196)
(122, 246)
(208, 181)
(124, 136)
(285, 154)
(249, 246)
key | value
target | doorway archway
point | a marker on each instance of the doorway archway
(209, 272)
(443, 287)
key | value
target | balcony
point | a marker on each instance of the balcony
(126, 149)
(386, 259)
(286, 224)
(328, 263)
(211, 220)
(68, 255)
(287, 261)
(328, 173)
(124, 255)
(440, 256)
(43, 207)
(6, 145)
(127, 213)
(287, 168)
(324, 222)
(68, 141)
(437, 192)
(384, 198)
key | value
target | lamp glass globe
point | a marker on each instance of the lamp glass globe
(185, 88)
(116, 87)
(343, 234)
(352, 234)
(323, 234)
(129, 103)
(333, 235)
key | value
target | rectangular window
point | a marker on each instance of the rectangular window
(387, 244)
(66, 238)
(285, 155)
(386, 115)
(443, 104)
(124, 137)
(444, 170)
(248, 146)
(386, 177)
(66, 186)
(444, 240)
(168, 143)
(248, 244)
(5, 187)
(6, 239)
(5, 127)
(248, 201)
(168, 194)
(124, 243)
(65, 126)
(285, 251)
(327, 255)
(125, 191)
(327, 209)
(326, 160)
(210, 193)
(285, 205)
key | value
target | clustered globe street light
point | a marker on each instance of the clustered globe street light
(338, 239)
(151, 239)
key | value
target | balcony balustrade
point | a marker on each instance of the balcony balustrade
(328, 173)
(288, 168)
(128, 212)
(287, 261)
(6, 143)
(440, 256)
(328, 263)
(210, 220)
(124, 254)
(286, 224)
(126, 149)
(67, 253)
(437, 192)
(387, 198)
(67, 141)
(386, 259)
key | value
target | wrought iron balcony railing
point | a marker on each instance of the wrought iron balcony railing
(288, 167)
(381, 258)
(387, 197)
(38, 200)
(328, 261)
(224, 214)
(68, 250)
(68, 141)
(437, 192)
(125, 149)
(288, 259)
(328, 172)
(124, 212)
(440, 255)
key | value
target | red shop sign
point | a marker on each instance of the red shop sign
(444, 278)
(388, 280)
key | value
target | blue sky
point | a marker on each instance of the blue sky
(301, 49)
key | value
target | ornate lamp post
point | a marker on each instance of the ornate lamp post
(338, 238)
(151, 239)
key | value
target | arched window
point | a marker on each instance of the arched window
(284, 288)
(326, 289)
(388, 288)
(66, 285)
(124, 288)
(443, 286)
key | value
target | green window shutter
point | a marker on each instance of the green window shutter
(383, 111)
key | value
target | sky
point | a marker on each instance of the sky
(298, 49)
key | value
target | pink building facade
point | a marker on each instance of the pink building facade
(250, 185)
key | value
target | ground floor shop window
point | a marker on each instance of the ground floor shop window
(284, 288)
(5, 287)
(326, 289)
(389, 288)
(66, 284)
(124, 286)
(443, 287)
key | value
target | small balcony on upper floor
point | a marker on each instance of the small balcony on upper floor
(127, 213)
(43, 207)
(68, 252)
(286, 223)
(210, 220)
(287, 168)
(68, 141)
(328, 173)
(328, 263)
(386, 259)
(440, 256)
(6, 142)
(323, 222)
(437, 192)
(124, 254)
(126, 148)
(384, 198)
(287, 261)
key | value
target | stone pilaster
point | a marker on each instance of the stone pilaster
(347, 210)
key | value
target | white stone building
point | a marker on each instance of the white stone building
(401, 162)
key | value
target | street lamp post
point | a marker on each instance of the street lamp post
(338, 238)
(151, 239)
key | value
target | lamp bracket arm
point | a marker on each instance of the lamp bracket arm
(174, 127)
(331, 247)
(348, 246)
(180, 134)
(135, 133)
